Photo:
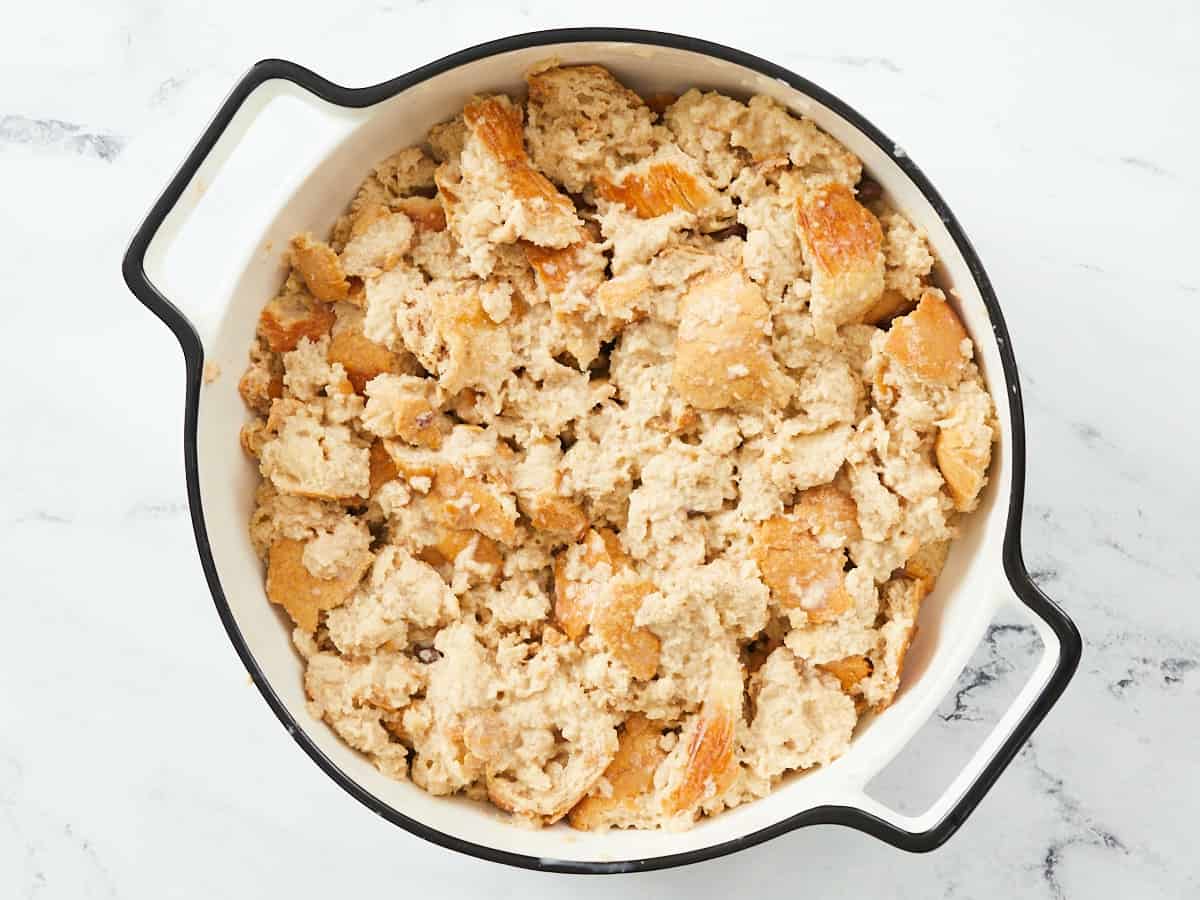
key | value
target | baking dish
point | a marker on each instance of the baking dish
(284, 154)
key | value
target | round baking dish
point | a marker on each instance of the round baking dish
(284, 154)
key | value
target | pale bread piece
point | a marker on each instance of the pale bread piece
(726, 136)
(902, 603)
(596, 590)
(405, 406)
(406, 172)
(909, 259)
(722, 354)
(536, 481)
(583, 123)
(802, 719)
(401, 594)
(378, 241)
(493, 194)
(358, 698)
(311, 458)
(963, 450)
(262, 382)
(568, 279)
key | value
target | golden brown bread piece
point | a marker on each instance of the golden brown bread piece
(963, 458)
(829, 513)
(554, 513)
(801, 573)
(555, 268)
(613, 621)
(929, 341)
(320, 268)
(849, 671)
(889, 305)
(451, 542)
(573, 602)
(664, 187)
(302, 595)
(630, 776)
(926, 564)
(361, 357)
(383, 468)
(262, 381)
(711, 764)
(496, 122)
(843, 242)
(474, 350)
(660, 100)
(468, 503)
(292, 316)
(426, 213)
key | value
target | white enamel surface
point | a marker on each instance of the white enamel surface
(305, 195)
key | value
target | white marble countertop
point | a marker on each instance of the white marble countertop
(135, 759)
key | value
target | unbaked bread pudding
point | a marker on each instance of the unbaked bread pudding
(608, 446)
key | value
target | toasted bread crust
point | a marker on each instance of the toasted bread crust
(929, 341)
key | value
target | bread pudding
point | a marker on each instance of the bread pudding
(609, 446)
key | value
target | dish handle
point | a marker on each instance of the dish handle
(1062, 647)
(143, 266)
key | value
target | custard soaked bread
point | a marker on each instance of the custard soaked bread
(608, 450)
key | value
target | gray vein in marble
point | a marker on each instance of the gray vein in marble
(1089, 434)
(69, 136)
(1167, 673)
(1083, 830)
(999, 661)
(166, 90)
(42, 515)
(1137, 559)
(880, 63)
(868, 62)
(1146, 165)
(11, 774)
(163, 509)
(1044, 574)
(90, 854)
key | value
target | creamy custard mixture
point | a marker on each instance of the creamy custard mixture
(609, 446)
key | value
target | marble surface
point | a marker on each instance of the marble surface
(136, 760)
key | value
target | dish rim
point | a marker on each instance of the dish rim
(1070, 642)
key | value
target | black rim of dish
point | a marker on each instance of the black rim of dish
(1014, 566)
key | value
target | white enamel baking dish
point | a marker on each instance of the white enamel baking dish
(284, 154)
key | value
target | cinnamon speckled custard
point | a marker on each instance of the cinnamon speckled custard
(608, 449)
